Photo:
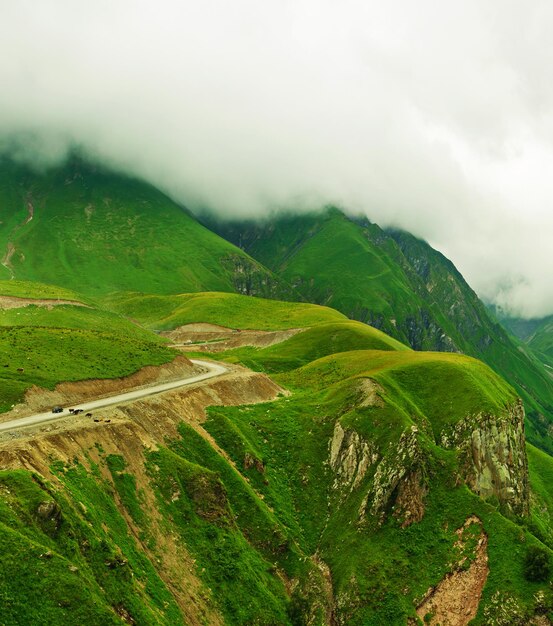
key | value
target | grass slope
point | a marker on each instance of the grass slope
(313, 343)
(540, 465)
(541, 340)
(97, 232)
(224, 309)
(45, 346)
(259, 520)
(38, 291)
(378, 572)
(331, 261)
(68, 557)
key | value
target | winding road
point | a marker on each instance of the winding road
(214, 369)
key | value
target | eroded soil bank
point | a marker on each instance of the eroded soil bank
(136, 428)
(213, 338)
(38, 399)
(455, 600)
(13, 302)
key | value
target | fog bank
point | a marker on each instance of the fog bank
(432, 116)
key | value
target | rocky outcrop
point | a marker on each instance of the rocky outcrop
(350, 458)
(252, 279)
(411, 492)
(401, 468)
(49, 516)
(398, 478)
(493, 456)
(252, 461)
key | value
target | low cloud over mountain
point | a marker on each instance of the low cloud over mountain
(433, 116)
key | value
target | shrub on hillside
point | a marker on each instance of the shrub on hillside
(537, 565)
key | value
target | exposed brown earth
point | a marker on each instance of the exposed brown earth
(212, 338)
(454, 601)
(38, 399)
(12, 302)
(198, 327)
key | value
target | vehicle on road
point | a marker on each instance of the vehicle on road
(57, 409)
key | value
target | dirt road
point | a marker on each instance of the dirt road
(214, 369)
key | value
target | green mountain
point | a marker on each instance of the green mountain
(97, 232)
(353, 267)
(339, 497)
(541, 340)
(401, 285)
(518, 326)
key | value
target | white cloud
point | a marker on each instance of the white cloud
(435, 116)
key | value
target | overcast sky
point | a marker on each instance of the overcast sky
(435, 116)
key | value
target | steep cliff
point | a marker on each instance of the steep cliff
(493, 456)
(492, 462)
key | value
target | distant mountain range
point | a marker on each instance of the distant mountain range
(537, 333)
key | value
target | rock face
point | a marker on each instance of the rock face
(493, 464)
(50, 516)
(494, 456)
(398, 475)
(252, 279)
(350, 458)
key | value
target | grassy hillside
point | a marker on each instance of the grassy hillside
(46, 345)
(540, 466)
(62, 566)
(541, 340)
(381, 395)
(332, 261)
(38, 291)
(517, 326)
(480, 335)
(378, 472)
(224, 309)
(97, 232)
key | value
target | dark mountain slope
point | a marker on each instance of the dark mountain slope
(517, 326)
(477, 333)
(536, 333)
(541, 340)
(355, 268)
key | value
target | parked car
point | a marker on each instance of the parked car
(57, 409)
